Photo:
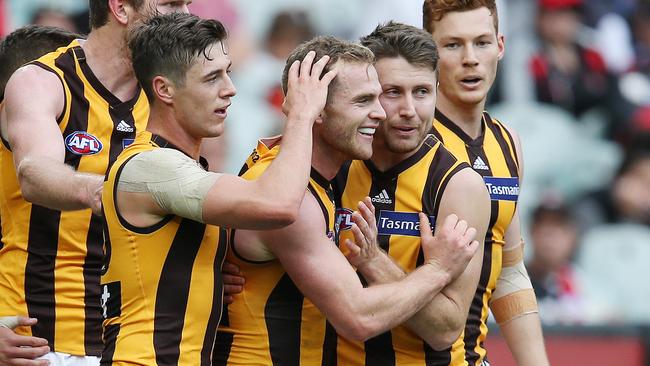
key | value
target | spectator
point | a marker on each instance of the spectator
(258, 112)
(626, 200)
(566, 73)
(554, 235)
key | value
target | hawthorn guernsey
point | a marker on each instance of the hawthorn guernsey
(506, 189)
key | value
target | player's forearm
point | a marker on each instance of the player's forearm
(381, 269)
(287, 177)
(383, 307)
(440, 322)
(53, 184)
(525, 340)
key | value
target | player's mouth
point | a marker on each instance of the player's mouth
(367, 131)
(471, 82)
(405, 130)
(222, 112)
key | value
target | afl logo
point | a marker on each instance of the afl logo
(83, 143)
(343, 219)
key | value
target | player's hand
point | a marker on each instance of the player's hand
(94, 187)
(17, 350)
(451, 248)
(306, 90)
(364, 250)
(233, 281)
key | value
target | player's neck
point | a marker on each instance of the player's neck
(466, 116)
(162, 122)
(383, 159)
(326, 160)
(109, 59)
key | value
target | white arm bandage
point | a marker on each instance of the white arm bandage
(176, 182)
(514, 295)
(10, 322)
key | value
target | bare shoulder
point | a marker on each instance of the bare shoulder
(468, 182)
(32, 83)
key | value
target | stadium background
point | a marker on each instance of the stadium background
(585, 128)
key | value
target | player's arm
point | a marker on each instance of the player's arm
(323, 274)
(34, 99)
(157, 183)
(273, 199)
(16, 350)
(442, 320)
(513, 303)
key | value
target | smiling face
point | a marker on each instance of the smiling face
(353, 112)
(201, 103)
(469, 50)
(409, 99)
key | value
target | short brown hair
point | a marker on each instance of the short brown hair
(98, 10)
(401, 40)
(336, 49)
(27, 44)
(168, 45)
(435, 10)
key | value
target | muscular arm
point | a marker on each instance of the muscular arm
(38, 146)
(523, 332)
(323, 274)
(442, 320)
(272, 200)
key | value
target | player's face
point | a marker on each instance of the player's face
(409, 99)
(353, 111)
(469, 49)
(201, 103)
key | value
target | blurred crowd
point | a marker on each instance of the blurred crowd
(575, 83)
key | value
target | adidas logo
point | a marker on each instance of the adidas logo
(124, 127)
(479, 164)
(382, 198)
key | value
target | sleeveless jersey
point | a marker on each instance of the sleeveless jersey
(414, 185)
(51, 260)
(162, 291)
(271, 322)
(494, 157)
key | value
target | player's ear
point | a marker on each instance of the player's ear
(164, 89)
(118, 10)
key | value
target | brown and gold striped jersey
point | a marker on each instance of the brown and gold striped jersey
(414, 185)
(493, 156)
(271, 322)
(51, 260)
(162, 290)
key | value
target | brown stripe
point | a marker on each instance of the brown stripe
(173, 291)
(217, 300)
(329, 346)
(283, 317)
(120, 114)
(92, 272)
(339, 183)
(39, 271)
(505, 149)
(79, 105)
(437, 181)
(379, 350)
(111, 333)
(472, 330)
